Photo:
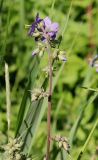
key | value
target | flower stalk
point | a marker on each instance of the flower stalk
(44, 31)
(49, 102)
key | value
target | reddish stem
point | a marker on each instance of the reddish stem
(50, 95)
(49, 101)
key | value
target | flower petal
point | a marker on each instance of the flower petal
(54, 27)
(33, 53)
(32, 28)
(43, 39)
(52, 34)
(47, 22)
(37, 19)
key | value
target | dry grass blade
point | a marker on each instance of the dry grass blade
(8, 100)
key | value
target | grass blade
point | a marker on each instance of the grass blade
(32, 76)
(31, 121)
(66, 20)
(88, 139)
(52, 8)
(76, 124)
(8, 98)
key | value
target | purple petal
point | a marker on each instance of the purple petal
(33, 53)
(47, 22)
(43, 39)
(37, 19)
(96, 69)
(54, 27)
(52, 34)
(32, 28)
(34, 24)
(40, 29)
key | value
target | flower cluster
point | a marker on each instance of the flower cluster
(62, 142)
(37, 94)
(43, 29)
(40, 49)
(13, 150)
(60, 55)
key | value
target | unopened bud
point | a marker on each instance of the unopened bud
(60, 144)
(96, 65)
(27, 26)
(36, 34)
(35, 52)
(55, 53)
(18, 156)
(38, 93)
(41, 53)
(46, 70)
(61, 56)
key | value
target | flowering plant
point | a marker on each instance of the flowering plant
(45, 32)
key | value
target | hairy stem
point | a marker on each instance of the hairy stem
(49, 101)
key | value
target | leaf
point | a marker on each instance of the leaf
(79, 118)
(32, 77)
(90, 89)
(30, 122)
(87, 140)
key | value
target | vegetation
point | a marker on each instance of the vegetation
(74, 113)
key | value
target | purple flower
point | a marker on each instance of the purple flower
(42, 29)
(50, 27)
(34, 24)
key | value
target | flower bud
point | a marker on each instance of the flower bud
(27, 26)
(40, 25)
(65, 146)
(55, 53)
(41, 53)
(35, 52)
(38, 93)
(36, 34)
(46, 70)
(61, 56)
(18, 156)
(60, 144)
(96, 65)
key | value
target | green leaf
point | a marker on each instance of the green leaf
(26, 97)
